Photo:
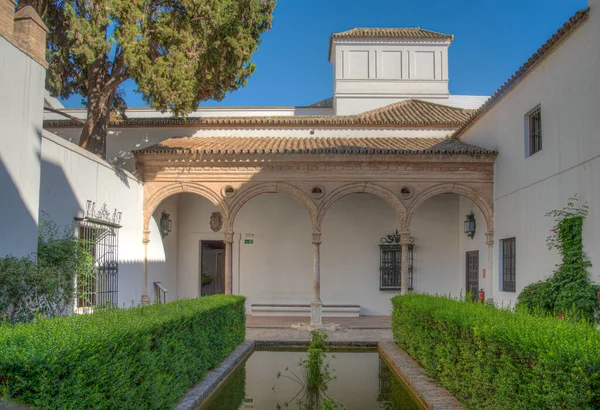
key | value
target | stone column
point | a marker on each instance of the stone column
(489, 236)
(228, 263)
(315, 304)
(145, 297)
(404, 242)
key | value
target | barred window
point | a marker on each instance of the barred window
(508, 257)
(390, 262)
(534, 130)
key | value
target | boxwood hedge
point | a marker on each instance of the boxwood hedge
(139, 358)
(494, 358)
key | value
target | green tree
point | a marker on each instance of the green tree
(179, 53)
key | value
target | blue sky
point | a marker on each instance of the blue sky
(492, 38)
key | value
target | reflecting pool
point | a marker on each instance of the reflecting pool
(362, 381)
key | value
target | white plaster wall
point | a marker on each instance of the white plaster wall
(352, 231)
(21, 114)
(69, 177)
(121, 141)
(277, 267)
(436, 254)
(567, 86)
(162, 252)
(194, 226)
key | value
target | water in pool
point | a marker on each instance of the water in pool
(362, 381)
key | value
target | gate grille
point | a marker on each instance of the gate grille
(99, 235)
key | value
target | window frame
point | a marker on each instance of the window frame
(508, 264)
(533, 138)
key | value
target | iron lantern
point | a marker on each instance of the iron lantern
(470, 225)
(165, 224)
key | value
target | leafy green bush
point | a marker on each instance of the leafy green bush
(139, 358)
(42, 284)
(569, 292)
(498, 359)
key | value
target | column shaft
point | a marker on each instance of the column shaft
(404, 282)
(228, 263)
(145, 298)
(490, 265)
(315, 304)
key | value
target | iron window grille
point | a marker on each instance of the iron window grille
(534, 119)
(509, 259)
(390, 262)
(99, 235)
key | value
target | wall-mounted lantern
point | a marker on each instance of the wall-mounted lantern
(470, 225)
(165, 224)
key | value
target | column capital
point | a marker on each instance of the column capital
(489, 238)
(316, 238)
(404, 237)
(228, 237)
(146, 237)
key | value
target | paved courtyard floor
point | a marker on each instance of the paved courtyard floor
(355, 329)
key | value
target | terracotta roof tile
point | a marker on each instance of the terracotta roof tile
(575, 21)
(407, 113)
(313, 145)
(405, 33)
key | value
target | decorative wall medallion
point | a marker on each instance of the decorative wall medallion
(406, 192)
(216, 221)
(317, 192)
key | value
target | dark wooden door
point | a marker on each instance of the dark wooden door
(473, 273)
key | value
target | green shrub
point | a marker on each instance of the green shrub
(569, 292)
(41, 285)
(493, 358)
(139, 358)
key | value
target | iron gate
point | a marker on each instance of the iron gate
(99, 235)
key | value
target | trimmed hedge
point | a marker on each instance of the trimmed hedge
(493, 358)
(139, 358)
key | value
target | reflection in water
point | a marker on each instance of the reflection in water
(363, 381)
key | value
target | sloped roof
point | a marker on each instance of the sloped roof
(313, 145)
(326, 103)
(549, 46)
(400, 33)
(407, 113)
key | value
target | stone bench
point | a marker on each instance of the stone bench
(260, 309)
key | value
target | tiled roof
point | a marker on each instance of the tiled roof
(407, 113)
(313, 145)
(406, 33)
(401, 33)
(575, 21)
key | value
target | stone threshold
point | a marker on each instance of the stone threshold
(410, 372)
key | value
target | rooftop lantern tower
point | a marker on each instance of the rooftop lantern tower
(374, 67)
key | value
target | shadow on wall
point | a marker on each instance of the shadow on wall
(57, 198)
(19, 227)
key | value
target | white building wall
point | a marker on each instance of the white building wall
(21, 115)
(567, 86)
(277, 267)
(162, 252)
(69, 177)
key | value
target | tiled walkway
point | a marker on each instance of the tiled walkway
(356, 329)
